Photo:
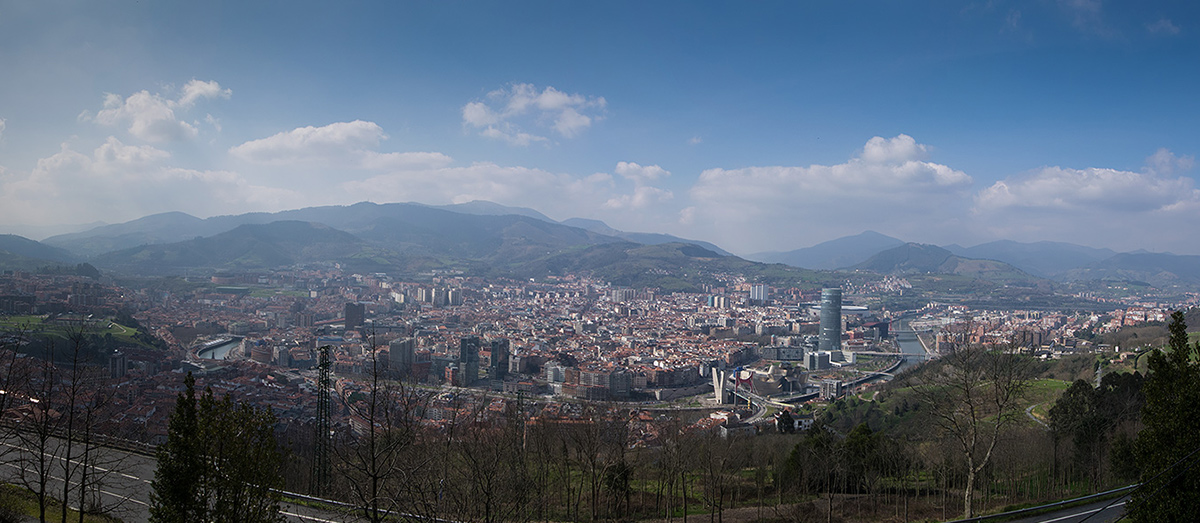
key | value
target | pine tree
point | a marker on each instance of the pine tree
(179, 478)
(1169, 445)
(220, 463)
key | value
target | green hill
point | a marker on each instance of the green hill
(917, 258)
(672, 267)
(276, 244)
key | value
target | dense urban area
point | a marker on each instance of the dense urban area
(749, 364)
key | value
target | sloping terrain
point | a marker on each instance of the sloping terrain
(1045, 259)
(833, 254)
(1158, 269)
(916, 258)
(254, 246)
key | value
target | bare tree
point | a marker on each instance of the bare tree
(717, 460)
(376, 457)
(37, 425)
(68, 398)
(973, 394)
(489, 478)
(72, 428)
(14, 380)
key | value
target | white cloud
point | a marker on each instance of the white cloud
(889, 150)
(399, 161)
(560, 195)
(307, 144)
(570, 122)
(152, 117)
(119, 182)
(479, 114)
(640, 174)
(641, 197)
(1164, 162)
(2, 122)
(544, 190)
(196, 89)
(1095, 206)
(884, 168)
(695, 140)
(1063, 189)
(507, 113)
(887, 186)
(687, 216)
(342, 144)
(1163, 26)
(511, 136)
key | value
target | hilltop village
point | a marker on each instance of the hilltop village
(550, 346)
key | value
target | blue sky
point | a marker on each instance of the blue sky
(758, 126)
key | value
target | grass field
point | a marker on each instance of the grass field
(37, 326)
(270, 293)
(20, 501)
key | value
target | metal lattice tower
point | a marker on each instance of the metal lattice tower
(320, 466)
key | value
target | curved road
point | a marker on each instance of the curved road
(1029, 412)
(126, 485)
(1106, 511)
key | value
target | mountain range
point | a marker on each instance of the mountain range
(487, 238)
(916, 258)
(1045, 259)
(833, 254)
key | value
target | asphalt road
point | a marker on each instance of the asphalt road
(124, 483)
(1098, 512)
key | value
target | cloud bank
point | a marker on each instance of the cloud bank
(888, 181)
(122, 182)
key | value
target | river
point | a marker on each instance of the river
(907, 340)
(221, 351)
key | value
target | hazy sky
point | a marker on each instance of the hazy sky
(755, 125)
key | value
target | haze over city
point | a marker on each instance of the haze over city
(769, 126)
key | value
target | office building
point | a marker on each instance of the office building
(759, 294)
(117, 364)
(402, 355)
(499, 365)
(831, 389)
(355, 315)
(831, 320)
(468, 359)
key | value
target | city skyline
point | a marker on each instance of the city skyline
(763, 127)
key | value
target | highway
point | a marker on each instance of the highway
(124, 487)
(1098, 512)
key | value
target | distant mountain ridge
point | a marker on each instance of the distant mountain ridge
(833, 254)
(249, 246)
(486, 208)
(26, 248)
(1158, 269)
(396, 236)
(644, 238)
(485, 236)
(1045, 259)
(917, 258)
(177, 226)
